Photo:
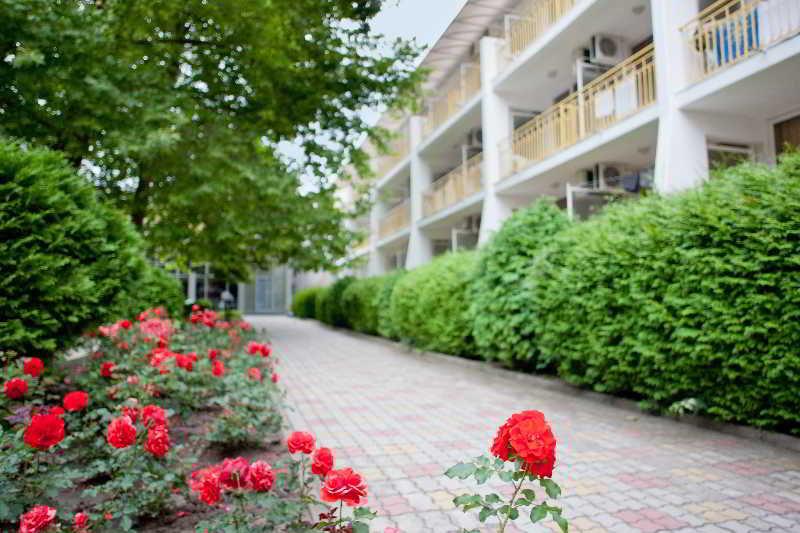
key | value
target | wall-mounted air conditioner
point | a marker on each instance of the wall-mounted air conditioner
(607, 50)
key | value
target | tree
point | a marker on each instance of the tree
(176, 111)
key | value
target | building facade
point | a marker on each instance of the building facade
(586, 101)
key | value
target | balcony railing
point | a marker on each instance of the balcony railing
(729, 31)
(458, 90)
(396, 219)
(458, 184)
(619, 93)
(398, 150)
(533, 19)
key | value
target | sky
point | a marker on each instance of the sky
(424, 20)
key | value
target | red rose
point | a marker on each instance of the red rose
(233, 473)
(254, 373)
(131, 412)
(252, 347)
(54, 410)
(266, 350)
(106, 368)
(260, 476)
(76, 400)
(153, 415)
(44, 431)
(121, 432)
(15, 388)
(213, 353)
(81, 522)
(157, 442)
(205, 483)
(218, 368)
(527, 436)
(125, 324)
(300, 441)
(275, 377)
(33, 366)
(132, 380)
(344, 485)
(39, 518)
(322, 462)
(195, 307)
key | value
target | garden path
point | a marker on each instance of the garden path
(401, 419)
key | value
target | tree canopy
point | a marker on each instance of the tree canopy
(176, 110)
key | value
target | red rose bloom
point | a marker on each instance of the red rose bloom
(213, 353)
(81, 522)
(218, 368)
(300, 441)
(157, 442)
(275, 377)
(344, 485)
(15, 388)
(121, 432)
(53, 410)
(260, 476)
(76, 400)
(131, 412)
(254, 374)
(125, 324)
(44, 431)
(106, 368)
(527, 436)
(205, 483)
(39, 518)
(153, 415)
(322, 462)
(233, 473)
(33, 366)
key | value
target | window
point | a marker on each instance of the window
(787, 133)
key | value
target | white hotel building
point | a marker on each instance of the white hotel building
(582, 100)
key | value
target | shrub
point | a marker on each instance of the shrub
(155, 287)
(304, 302)
(330, 309)
(501, 305)
(694, 296)
(429, 305)
(65, 256)
(385, 325)
(362, 302)
(321, 302)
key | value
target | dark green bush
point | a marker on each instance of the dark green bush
(65, 257)
(155, 287)
(329, 307)
(304, 302)
(501, 304)
(429, 305)
(363, 300)
(693, 296)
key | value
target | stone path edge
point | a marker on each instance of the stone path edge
(555, 384)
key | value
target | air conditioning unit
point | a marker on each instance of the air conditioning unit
(607, 50)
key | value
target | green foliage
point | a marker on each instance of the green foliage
(178, 108)
(155, 287)
(429, 305)
(330, 307)
(695, 296)
(501, 304)
(304, 302)
(385, 325)
(362, 302)
(65, 257)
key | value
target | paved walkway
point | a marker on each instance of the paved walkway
(402, 419)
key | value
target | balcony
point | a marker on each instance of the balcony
(619, 93)
(533, 18)
(458, 90)
(730, 31)
(395, 220)
(458, 184)
(399, 148)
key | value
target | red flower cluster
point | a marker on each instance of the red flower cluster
(44, 431)
(218, 368)
(301, 441)
(213, 353)
(122, 431)
(157, 442)
(158, 356)
(106, 368)
(344, 485)
(322, 462)
(81, 522)
(185, 361)
(38, 519)
(157, 312)
(232, 474)
(15, 388)
(76, 401)
(206, 317)
(257, 348)
(33, 366)
(254, 373)
(527, 437)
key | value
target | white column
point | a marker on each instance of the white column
(240, 288)
(420, 247)
(375, 265)
(192, 286)
(681, 156)
(496, 127)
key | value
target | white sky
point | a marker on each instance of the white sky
(423, 20)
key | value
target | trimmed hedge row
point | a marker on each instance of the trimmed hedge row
(304, 302)
(685, 302)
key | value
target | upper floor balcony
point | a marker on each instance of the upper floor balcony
(458, 184)
(456, 91)
(617, 94)
(531, 19)
(395, 219)
(729, 31)
(399, 148)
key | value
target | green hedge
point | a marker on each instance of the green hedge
(154, 287)
(65, 257)
(429, 305)
(502, 307)
(385, 324)
(329, 306)
(304, 302)
(692, 296)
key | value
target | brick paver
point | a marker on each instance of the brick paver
(402, 419)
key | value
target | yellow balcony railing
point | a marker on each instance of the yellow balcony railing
(398, 150)
(729, 31)
(533, 18)
(622, 91)
(458, 184)
(396, 219)
(457, 91)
